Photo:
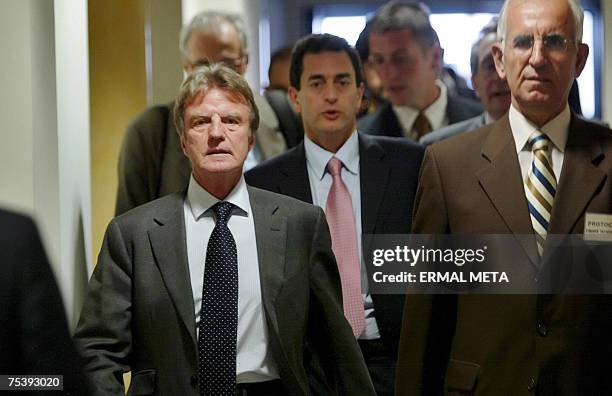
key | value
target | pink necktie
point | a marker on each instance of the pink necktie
(341, 219)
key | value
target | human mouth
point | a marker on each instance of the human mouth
(331, 115)
(217, 152)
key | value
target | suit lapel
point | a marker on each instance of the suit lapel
(374, 175)
(579, 180)
(500, 179)
(296, 183)
(271, 236)
(169, 247)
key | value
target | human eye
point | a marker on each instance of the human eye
(231, 120)
(316, 83)
(344, 81)
(523, 42)
(199, 123)
(555, 42)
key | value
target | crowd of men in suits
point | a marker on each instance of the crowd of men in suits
(235, 264)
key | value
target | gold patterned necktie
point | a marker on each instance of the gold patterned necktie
(540, 187)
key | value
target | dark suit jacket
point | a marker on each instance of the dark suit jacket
(453, 129)
(139, 310)
(384, 121)
(151, 161)
(389, 170)
(34, 337)
(500, 344)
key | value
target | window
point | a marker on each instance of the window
(457, 32)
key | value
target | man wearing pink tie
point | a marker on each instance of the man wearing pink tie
(365, 184)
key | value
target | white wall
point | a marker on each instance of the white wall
(45, 133)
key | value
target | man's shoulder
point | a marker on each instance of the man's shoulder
(157, 209)
(275, 201)
(271, 167)
(376, 122)
(459, 108)
(461, 147)
(394, 148)
(154, 115)
(453, 129)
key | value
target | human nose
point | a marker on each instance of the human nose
(216, 127)
(536, 58)
(330, 93)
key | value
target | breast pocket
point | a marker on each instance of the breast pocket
(461, 377)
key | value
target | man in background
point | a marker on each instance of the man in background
(366, 185)
(406, 53)
(493, 92)
(151, 163)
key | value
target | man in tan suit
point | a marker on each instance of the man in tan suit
(482, 182)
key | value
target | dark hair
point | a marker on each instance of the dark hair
(206, 78)
(489, 28)
(362, 45)
(398, 15)
(315, 44)
(279, 55)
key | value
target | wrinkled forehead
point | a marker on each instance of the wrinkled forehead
(218, 98)
(539, 17)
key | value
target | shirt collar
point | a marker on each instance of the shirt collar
(317, 157)
(200, 200)
(435, 113)
(556, 129)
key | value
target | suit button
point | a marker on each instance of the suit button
(542, 330)
(531, 384)
(194, 380)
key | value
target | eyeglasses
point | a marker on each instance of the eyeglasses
(551, 43)
(232, 63)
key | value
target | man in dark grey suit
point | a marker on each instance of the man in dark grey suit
(151, 163)
(405, 51)
(490, 88)
(380, 175)
(217, 290)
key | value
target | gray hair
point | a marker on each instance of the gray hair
(206, 78)
(211, 21)
(574, 5)
(487, 31)
(398, 15)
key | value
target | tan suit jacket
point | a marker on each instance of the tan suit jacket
(500, 344)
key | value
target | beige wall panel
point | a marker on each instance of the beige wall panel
(117, 94)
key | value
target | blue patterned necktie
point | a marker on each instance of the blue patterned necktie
(219, 315)
(540, 187)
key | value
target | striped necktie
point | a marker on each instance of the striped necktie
(540, 187)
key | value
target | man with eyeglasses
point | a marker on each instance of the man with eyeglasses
(151, 163)
(541, 172)
(490, 88)
(405, 52)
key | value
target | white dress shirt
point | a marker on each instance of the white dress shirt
(435, 113)
(320, 183)
(556, 129)
(254, 362)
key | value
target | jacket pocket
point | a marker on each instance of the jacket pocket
(461, 377)
(142, 383)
